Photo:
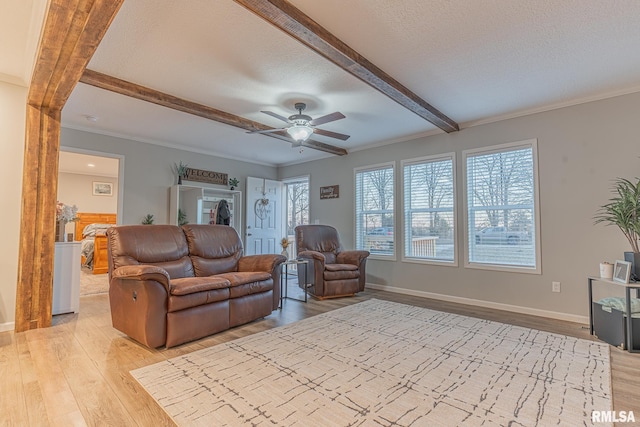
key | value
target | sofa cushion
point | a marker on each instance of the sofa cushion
(340, 271)
(243, 277)
(160, 245)
(247, 283)
(191, 292)
(213, 249)
(190, 285)
(182, 302)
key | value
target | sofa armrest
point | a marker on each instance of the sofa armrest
(351, 257)
(316, 256)
(265, 262)
(143, 273)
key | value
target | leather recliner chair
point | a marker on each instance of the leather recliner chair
(333, 272)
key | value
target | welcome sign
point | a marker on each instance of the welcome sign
(209, 177)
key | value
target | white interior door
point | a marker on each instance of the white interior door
(264, 216)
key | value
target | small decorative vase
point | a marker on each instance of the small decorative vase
(61, 235)
(284, 253)
(179, 180)
(606, 270)
(634, 259)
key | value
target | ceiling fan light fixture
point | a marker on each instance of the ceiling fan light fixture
(300, 132)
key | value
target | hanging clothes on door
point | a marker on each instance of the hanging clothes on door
(223, 213)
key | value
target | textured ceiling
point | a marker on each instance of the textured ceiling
(475, 61)
(20, 23)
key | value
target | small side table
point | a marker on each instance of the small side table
(628, 287)
(284, 279)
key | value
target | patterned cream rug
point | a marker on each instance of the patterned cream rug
(91, 284)
(386, 364)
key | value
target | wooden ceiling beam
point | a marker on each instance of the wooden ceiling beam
(294, 22)
(123, 87)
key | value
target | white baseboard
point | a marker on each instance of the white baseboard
(481, 303)
(9, 326)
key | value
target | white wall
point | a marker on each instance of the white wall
(580, 148)
(13, 100)
(77, 189)
(148, 172)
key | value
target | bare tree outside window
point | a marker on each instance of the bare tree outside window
(429, 209)
(297, 205)
(501, 204)
(375, 210)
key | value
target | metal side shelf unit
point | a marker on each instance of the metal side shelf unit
(284, 279)
(616, 327)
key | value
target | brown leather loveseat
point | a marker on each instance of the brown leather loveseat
(169, 285)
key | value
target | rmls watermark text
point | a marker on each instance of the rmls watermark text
(613, 417)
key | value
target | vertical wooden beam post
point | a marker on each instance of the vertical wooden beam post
(72, 32)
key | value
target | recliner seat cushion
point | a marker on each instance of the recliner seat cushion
(247, 283)
(182, 302)
(333, 272)
(340, 272)
(190, 285)
(191, 292)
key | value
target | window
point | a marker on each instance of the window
(297, 193)
(501, 207)
(297, 207)
(429, 209)
(374, 209)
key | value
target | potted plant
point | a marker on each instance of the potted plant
(181, 171)
(182, 218)
(623, 211)
(284, 242)
(233, 183)
(148, 219)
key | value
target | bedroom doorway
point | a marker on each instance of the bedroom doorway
(92, 181)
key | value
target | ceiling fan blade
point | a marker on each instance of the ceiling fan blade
(326, 119)
(330, 134)
(266, 130)
(281, 135)
(277, 116)
(310, 143)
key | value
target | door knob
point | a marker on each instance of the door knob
(248, 234)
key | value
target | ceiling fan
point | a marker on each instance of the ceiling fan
(301, 126)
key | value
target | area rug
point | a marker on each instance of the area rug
(91, 284)
(386, 364)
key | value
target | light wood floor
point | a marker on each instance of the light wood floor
(77, 372)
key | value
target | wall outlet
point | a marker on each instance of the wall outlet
(555, 286)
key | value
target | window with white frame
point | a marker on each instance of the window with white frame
(501, 206)
(297, 193)
(375, 209)
(297, 206)
(429, 208)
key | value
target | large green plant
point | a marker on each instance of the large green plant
(623, 210)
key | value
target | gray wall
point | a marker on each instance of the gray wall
(77, 189)
(580, 150)
(12, 132)
(148, 172)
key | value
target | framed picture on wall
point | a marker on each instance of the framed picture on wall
(102, 188)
